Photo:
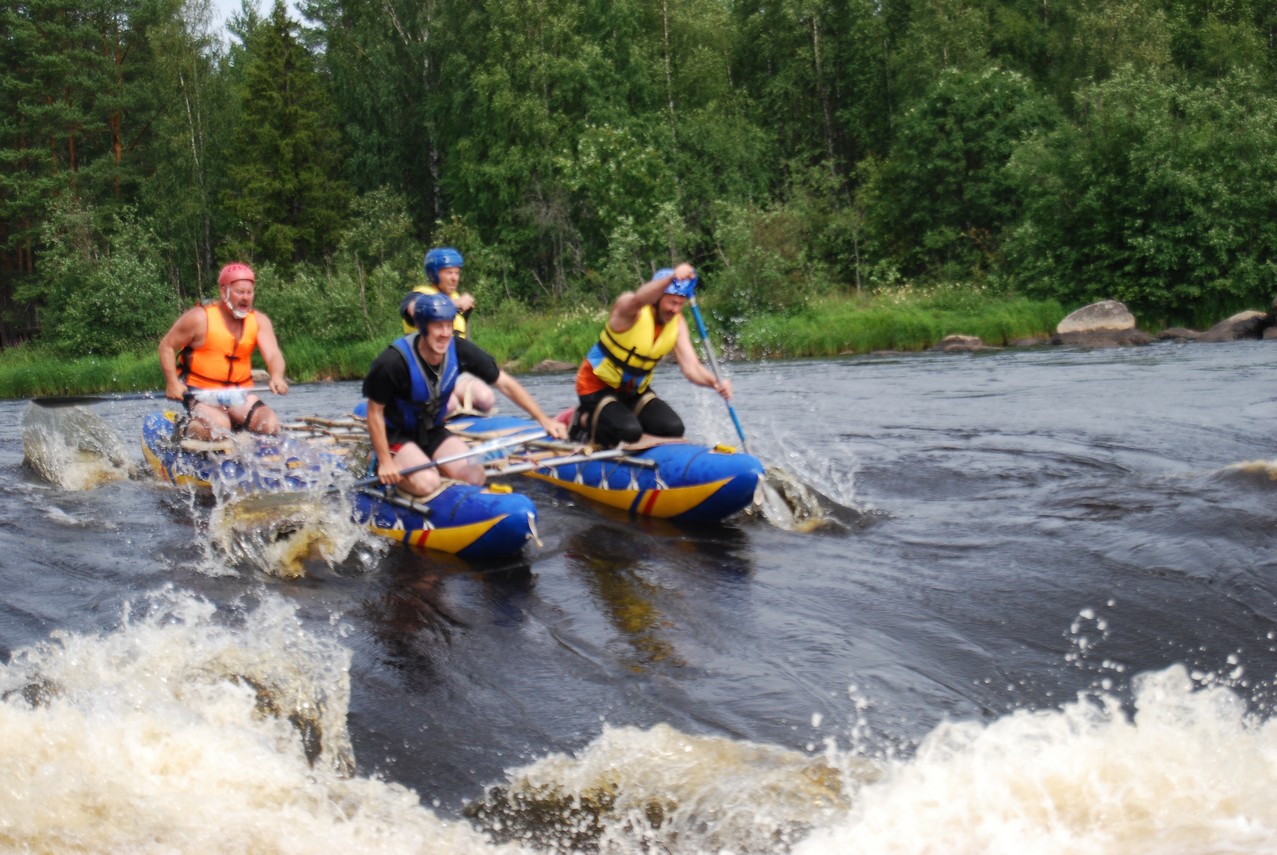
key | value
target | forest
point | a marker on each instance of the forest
(796, 151)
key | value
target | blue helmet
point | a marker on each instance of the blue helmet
(677, 287)
(439, 258)
(432, 307)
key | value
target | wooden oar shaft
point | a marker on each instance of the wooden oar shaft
(79, 400)
(616, 454)
(476, 451)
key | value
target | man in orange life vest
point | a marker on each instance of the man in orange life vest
(211, 347)
(616, 403)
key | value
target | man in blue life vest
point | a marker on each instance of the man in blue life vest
(443, 274)
(617, 403)
(211, 347)
(408, 387)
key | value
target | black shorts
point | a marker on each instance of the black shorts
(427, 440)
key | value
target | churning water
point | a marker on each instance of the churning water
(1042, 620)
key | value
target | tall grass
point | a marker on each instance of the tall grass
(29, 371)
(520, 340)
(833, 325)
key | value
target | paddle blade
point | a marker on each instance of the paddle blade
(786, 502)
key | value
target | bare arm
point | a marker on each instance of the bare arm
(387, 469)
(691, 366)
(187, 330)
(627, 306)
(514, 390)
(268, 346)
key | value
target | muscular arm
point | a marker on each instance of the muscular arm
(691, 366)
(187, 330)
(514, 390)
(626, 308)
(387, 469)
(268, 346)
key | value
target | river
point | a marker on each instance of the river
(1041, 620)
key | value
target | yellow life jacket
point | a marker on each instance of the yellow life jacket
(625, 360)
(458, 323)
(222, 360)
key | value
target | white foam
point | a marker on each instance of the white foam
(1189, 773)
(174, 735)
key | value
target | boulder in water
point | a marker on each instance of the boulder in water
(1107, 323)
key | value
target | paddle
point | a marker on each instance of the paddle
(771, 500)
(81, 400)
(259, 502)
(475, 451)
(713, 364)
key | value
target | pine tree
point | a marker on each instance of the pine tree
(285, 186)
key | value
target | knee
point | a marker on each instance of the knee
(421, 483)
(663, 424)
(263, 420)
(484, 398)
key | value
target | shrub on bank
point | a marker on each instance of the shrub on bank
(903, 319)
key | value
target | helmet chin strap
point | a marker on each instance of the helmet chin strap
(239, 314)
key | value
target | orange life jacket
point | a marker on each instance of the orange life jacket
(223, 360)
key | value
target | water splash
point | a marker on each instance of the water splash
(661, 790)
(1261, 471)
(73, 448)
(1190, 771)
(282, 537)
(193, 730)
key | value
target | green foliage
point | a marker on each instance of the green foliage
(34, 370)
(790, 148)
(612, 174)
(322, 304)
(1164, 196)
(899, 319)
(523, 340)
(285, 190)
(379, 256)
(939, 204)
(102, 293)
(766, 268)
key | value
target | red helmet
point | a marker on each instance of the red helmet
(234, 272)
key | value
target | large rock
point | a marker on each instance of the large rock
(1104, 324)
(1241, 326)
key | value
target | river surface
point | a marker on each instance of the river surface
(1042, 619)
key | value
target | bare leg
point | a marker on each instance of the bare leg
(466, 471)
(420, 483)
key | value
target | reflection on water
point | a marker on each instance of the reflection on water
(614, 572)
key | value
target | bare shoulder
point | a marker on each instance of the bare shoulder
(191, 323)
(624, 311)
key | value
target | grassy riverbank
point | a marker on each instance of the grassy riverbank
(902, 320)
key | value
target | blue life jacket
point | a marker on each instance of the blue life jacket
(427, 403)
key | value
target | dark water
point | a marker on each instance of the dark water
(1044, 620)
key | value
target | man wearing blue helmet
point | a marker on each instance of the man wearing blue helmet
(443, 274)
(617, 403)
(408, 388)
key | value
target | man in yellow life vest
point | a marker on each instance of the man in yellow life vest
(211, 347)
(443, 270)
(613, 384)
